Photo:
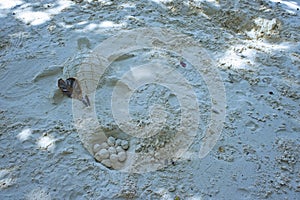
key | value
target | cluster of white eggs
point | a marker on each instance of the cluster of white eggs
(111, 153)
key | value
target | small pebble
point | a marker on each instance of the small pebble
(111, 141)
(96, 148)
(106, 163)
(172, 189)
(122, 156)
(112, 150)
(124, 144)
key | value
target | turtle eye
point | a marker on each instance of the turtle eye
(61, 83)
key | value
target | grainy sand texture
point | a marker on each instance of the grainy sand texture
(179, 99)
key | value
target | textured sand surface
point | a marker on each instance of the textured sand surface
(255, 48)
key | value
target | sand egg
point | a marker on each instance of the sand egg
(111, 153)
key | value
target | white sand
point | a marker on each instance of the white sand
(254, 46)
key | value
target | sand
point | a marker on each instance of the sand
(218, 79)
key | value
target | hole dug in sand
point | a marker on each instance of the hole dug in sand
(111, 153)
